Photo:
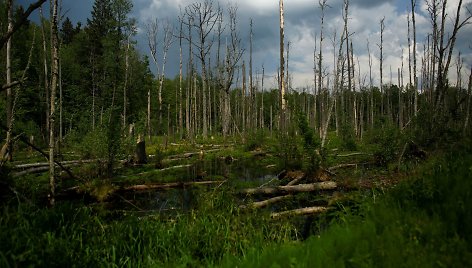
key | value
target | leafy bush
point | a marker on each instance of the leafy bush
(348, 137)
(385, 142)
(290, 155)
(255, 140)
(311, 144)
(424, 222)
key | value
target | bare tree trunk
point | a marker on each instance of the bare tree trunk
(415, 79)
(382, 27)
(167, 41)
(282, 61)
(55, 74)
(243, 102)
(151, 32)
(45, 61)
(262, 99)
(181, 129)
(125, 100)
(188, 106)
(469, 99)
(8, 153)
(371, 85)
(409, 50)
(149, 113)
(252, 105)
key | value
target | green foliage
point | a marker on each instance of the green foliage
(67, 235)
(385, 144)
(290, 155)
(255, 140)
(423, 222)
(93, 144)
(348, 137)
(311, 143)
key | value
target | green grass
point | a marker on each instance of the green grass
(423, 222)
(71, 235)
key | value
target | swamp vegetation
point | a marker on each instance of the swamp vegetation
(105, 164)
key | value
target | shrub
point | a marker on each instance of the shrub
(386, 144)
(255, 140)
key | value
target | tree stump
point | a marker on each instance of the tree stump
(140, 156)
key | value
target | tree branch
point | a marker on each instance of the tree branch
(32, 7)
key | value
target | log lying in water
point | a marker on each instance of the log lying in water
(266, 202)
(326, 185)
(191, 154)
(144, 187)
(299, 211)
(46, 164)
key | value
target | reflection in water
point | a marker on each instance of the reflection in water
(185, 198)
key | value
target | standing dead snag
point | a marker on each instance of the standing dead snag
(382, 27)
(54, 80)
(233, 54)
(151, 33)
(415, 79)
(7, 149)
(446, 49)
(140, 156)
(167, 42)
(21, 19)
(282, 60)
(203, 17)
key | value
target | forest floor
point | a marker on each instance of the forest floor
(220, 203)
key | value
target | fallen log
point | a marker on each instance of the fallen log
(343, 166)
(326, 185)
(24, 140)
(299, 211)
(144, 187)
(352, 154)
(44, 164)
(156, 170)
(297, 176)
(264, 203)
(191, 154)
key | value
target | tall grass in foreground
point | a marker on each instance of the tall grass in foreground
(68, 235)
(423, 222)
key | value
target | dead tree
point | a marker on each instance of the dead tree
(415, 79)
(233, 54)
(371, 85)
(446, 49)
(151, 32)
(469, 99)
(20, 20)
(252, 104)
(166, 43)
(130, 31)
(204, 18)
(5, 152)
(45, 63)
(181, 129)
(54, 80)
(8, 152)
(282, 60)
(382, 27)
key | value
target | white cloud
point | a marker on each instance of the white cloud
(303, 23)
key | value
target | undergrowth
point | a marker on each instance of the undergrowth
(70, 235)
(423, 222)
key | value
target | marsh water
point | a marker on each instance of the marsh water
(186, 198)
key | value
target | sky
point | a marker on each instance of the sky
(302, 30)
